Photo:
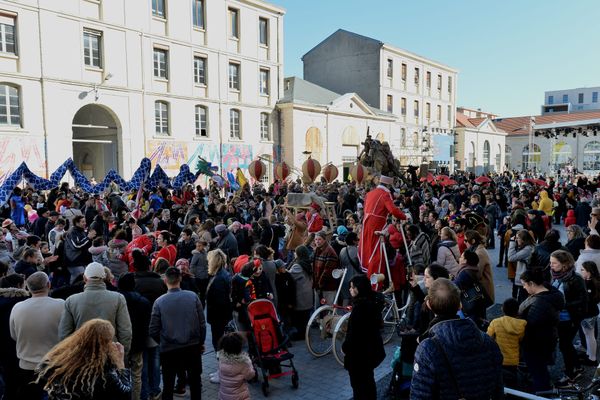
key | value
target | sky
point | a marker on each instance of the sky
(508, 52)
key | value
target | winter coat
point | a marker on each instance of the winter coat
(582, 214)
(169, 253)
(218, 298)
(234, 371)
(25, 268)
(521, 257)
(485, 270)
(573, 288)
(150, 285)
(325, 261)
(546, 204)
(587, 255)
(592, 287)
(304, 288)
(476, 363)
(419, 249)
(116, 255)
(541, 332)
(142, 242)
(363, 346)
(199, 264)
(185, 249)
(448, 255)
(8, 347)
(99, 254)
(118, 386)
(570, 220)
(229, 245)
(139, 309)
(541, 254)
(508, 333)
(575, 246)
(76, 248)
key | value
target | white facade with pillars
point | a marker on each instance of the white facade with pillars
(480, 147)
(120, 88)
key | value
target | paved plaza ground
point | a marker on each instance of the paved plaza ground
(323, 378)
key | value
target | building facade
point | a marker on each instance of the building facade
(328, 126)
(571, 100)
(480, 145)
(553, 143)
(111, 82)
(420, 92)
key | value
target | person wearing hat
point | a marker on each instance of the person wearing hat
(96, 302)
(227, 242)
(314, 222)
(378, 205)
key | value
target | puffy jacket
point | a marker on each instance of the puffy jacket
(573, 288)
(508, 333)
(448, 255)
(77, 244)
(521, 257)
(116, 256)
(546, 204)
(234, 371)
(476, 363)
(570, 220)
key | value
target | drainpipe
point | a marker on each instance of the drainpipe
(44, 122)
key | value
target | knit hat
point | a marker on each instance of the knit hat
(220, 228)
(342, 230)
(95, 270)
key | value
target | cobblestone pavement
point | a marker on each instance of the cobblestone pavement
(324, 378)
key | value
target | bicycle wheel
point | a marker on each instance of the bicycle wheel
(319, 331)
(339, 335)
(391, 318)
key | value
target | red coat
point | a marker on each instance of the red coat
(314, 222)
(142, 242)
(169, 253)
(570, 220)
(378, 205)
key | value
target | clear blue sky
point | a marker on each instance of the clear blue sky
(508, 52)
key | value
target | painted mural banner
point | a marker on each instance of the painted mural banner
(15, 150)
(170, 155)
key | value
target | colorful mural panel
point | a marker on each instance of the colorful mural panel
(14, 151)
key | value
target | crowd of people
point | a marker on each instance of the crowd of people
(111, 295)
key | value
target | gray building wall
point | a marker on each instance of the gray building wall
(346, 63)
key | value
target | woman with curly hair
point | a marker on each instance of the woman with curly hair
(86, 365)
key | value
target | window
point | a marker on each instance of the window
(161, 117)
(201, 130)
(565, 98)
(263, 31)
(10, 113)
(161, 63)
(417, 76)
(415, 139)
(450, 115)
(234, 124)
(416, 107)
(550, 99)
(265, 133)
(594, 97)
(580, 98)
(234, 23)
(390, 103)
(7, 35)
(403, 106)
(200, 70)
(428, 110)
(264, 82)
(92, 48)
(234, 76)
(390, 68)
(427, 80)
(158, 8)
(403, 137)
(439, 83)
(198, 13)
(449, 84)
(403, 76)
(439, 113)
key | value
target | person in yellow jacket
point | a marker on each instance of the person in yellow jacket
(508, 331)
(546, 204)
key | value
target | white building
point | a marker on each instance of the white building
(111, 82)
(558, 142)
(480, 144)
(328, 125)
(419, 91)
(571, 100)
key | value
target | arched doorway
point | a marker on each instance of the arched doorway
(350, 146)
(486, 156)
(499, 159)
(314, 143)
(561, 155)
(96, 135)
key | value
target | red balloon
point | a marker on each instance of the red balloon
(311, 169)
(330, 172)
(359, 173)
(282, 171)
(257, 169)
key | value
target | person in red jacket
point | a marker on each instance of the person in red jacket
(571, 219)
(140, 241)
(378, 205)
(167, 249)
(314, 221)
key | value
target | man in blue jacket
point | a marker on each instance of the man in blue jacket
(456, 360)
(178, 325)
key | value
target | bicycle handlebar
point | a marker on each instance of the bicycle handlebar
(575, 390)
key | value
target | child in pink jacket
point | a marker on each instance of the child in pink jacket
(235, 368)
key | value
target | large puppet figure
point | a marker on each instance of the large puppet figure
(378, 205)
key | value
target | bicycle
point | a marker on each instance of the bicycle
(572, 393)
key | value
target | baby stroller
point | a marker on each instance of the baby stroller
(269, 344)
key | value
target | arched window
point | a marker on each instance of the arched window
(161, 117)
(381, 137)
(415, 139)
(591, 157)
(471, 162)
(201, 121)
(10, 111)
(486, 156)
(508, 156)
(561, 155)
(234, 124)
(532, 160)
(499, 159)
(314, 143)
(350, 137)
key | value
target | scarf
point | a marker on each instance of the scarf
(561, 275)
